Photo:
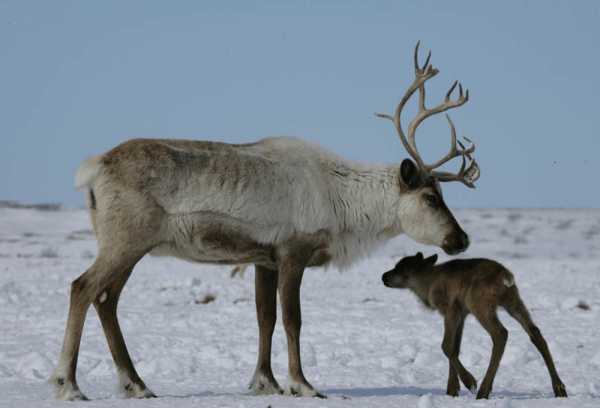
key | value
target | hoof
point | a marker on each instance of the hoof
(67, 390)
(132, 390)
(483, 394)
(453, 387)
(264, 384)
(560, 391)
(471, 383)
(298, 389)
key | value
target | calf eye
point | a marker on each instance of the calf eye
(431, 200)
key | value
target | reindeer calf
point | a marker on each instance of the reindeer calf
(478, 286)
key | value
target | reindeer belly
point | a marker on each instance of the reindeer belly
(210, 237)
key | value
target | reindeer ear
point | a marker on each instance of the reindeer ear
(432, 259)
(419, 256)
(410, 173)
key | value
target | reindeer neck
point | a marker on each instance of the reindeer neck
(421, 283)
(366, 199)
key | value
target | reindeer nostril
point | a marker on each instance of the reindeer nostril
(465, 241)
(455, 244)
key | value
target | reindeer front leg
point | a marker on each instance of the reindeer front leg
(263, 381)
(290, 278)
(453, 327)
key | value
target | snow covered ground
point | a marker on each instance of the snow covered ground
(363, 345)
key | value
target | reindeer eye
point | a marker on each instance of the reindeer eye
(431, 200)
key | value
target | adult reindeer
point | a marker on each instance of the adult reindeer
(281, 204)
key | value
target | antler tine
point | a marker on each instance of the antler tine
(416, 55)
(467, 176)
(418, 69)
(449, 93)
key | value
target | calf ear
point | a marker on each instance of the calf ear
(410, 173)
(419, 256)
(431, 260)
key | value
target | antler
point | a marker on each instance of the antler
(466, 175)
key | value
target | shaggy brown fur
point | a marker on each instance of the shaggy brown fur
(477, 286)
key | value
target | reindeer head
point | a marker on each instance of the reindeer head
(423, 214)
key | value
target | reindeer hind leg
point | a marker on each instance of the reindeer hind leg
(64, 378)
(490, 322)
(84, 290)
(517, 309)
(106, 303)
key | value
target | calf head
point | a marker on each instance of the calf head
(407, 271)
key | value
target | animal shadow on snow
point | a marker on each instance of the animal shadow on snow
(359, 392)
(417, 392)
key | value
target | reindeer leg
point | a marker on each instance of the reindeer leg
(453, 328)
(63, 377)
(83, 290)
(290, 278)
(106, 305)
(453, 387)
(518, 310)
(490, 322)
(263, 381)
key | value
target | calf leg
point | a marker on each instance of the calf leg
(106, 305)
(263, 381)
(453, 328)
(290, 278)
(518, 310)
(490, 322)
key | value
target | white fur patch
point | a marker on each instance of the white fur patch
(87, 172)
(424, 225)
(260, 385)
(65, 390)
(103, 297)
(508, 281)
(132, 390)
(301, 390)
(69, 392)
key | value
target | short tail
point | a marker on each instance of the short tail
(508, 280)
(87, 172)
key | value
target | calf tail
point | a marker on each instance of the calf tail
(508, 281)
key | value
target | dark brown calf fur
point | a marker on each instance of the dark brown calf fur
(478, 286)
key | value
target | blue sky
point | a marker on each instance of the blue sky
(77, 78)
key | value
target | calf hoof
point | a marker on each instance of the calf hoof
(483, 393)
(264, 384)
(303, 389)
(471, 383)
(67, 390)
(453, 387)
(560, 391)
